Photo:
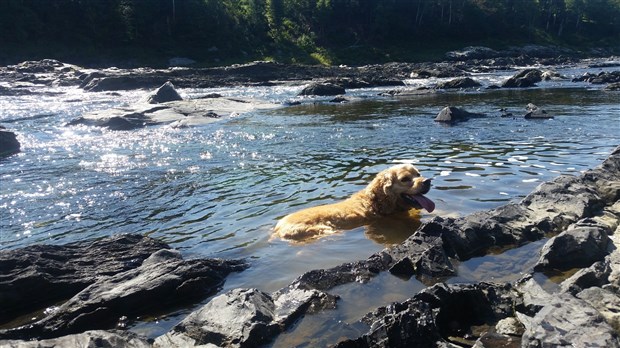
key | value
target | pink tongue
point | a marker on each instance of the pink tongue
(425, 202)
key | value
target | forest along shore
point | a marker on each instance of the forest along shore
(581, 212)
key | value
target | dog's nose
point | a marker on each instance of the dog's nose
(426, 184)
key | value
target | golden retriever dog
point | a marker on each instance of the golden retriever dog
(394, 190)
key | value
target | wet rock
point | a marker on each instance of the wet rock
(567, 321)
(596, 275)
(464, 82)
(95, 338)
(551, 75)
(601, 78)
(162, 281)
(322, 89)
(339, 99)
(613, 86)
(534, 112)
(65, 270)
(175, 113)
(524, 78)
(245, 317)
(451, 114)
(579, 246)
(119, 83)
(165, 93)
(9, 144)
(435, 315)
(38, 66)
(360, 271)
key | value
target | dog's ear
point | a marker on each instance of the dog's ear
(387, 180)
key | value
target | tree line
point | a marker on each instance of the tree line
(268, 28)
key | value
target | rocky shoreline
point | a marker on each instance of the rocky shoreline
(581, 213)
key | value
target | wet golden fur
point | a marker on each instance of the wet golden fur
(382, 197)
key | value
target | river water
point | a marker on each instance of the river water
(217, 190)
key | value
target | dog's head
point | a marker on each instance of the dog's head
(404, 184)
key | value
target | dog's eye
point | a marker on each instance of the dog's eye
(405, 179)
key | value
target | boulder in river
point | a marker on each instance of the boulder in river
(451, 114)
(463, 82)
(165, 93)
(534, 112)
(524, 78)
(9, 144)
(322, 89)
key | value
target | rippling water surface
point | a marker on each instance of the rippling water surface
(218, 189)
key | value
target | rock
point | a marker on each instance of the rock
(244, 317)
(596, 275)
(434, 315)
(534, 112)
(176, 113)
(524, 78)
(164, 280)
(453, 114)
(605, 302)
(473, 52)
(339, 99)
(613, 86)
(165, 93)
(601, 78)
(509, 326)
(567, 321)
(551, 75)
(322, 89)
(579, 246)
(9, 144)
(464, 82)
(96, 338)
(65, 270)
(114, 83)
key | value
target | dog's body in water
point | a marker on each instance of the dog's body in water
(394, 190)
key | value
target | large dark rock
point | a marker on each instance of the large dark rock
(9, 144)
(603, 77)
(245, 317)
(451, 114)
(579, 246)
(162, 281)
(524, 78)
(65, 270)
(96, 338)
(463, 82)
(322, 89)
